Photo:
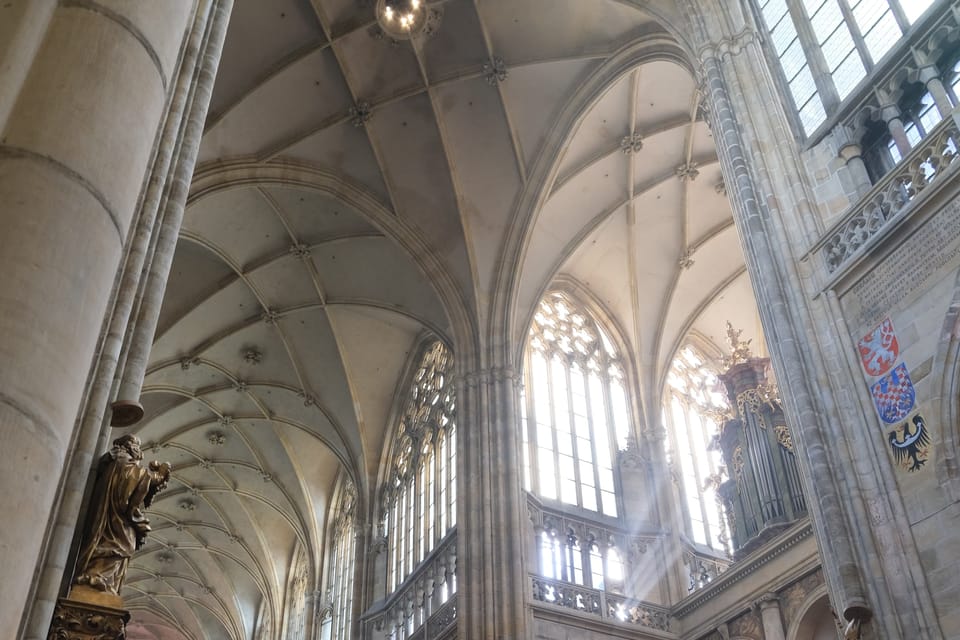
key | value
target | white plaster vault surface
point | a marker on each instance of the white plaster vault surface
(447, 155)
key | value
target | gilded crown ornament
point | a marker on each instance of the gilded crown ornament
(739, 349)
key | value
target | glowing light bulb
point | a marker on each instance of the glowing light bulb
(415, 4)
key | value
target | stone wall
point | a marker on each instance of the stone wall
(912, 278)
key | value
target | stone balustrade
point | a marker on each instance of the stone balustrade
(609, 606)
(890, 198)
(424, 607)
(703, 568)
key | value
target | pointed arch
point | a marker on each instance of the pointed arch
(336, 617)
(295, 605)
(418, 477)
(575, 413)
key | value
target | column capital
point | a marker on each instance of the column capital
(767, 600)
(890, 111)
(928, 72)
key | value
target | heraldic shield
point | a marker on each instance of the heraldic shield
(894, 395)
(879, 349)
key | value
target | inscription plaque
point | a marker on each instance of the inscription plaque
(906, 269)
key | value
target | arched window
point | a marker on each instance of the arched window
(296, 609)
(693, 401)
(420, 497)
(575, 415)
(341, 574)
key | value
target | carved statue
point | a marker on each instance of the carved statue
(115, 525)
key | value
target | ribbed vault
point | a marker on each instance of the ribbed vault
(637, 213)
(293, 306)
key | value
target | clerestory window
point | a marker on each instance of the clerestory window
(419, 502)
(574, 416)
(693, 401)
(826, 47)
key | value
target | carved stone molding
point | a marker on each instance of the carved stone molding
(495, 70)
(747, 626)
(360, 113)
(741, 570)
(74, 620)
(793, 596)
(731, 45)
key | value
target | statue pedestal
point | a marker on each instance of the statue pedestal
(87, 614)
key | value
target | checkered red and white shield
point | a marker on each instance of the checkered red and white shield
(894, 395)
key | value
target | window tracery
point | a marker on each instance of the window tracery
(296, 609)
(341, 568)
(574, 410)
(419, 498)
(694, 406)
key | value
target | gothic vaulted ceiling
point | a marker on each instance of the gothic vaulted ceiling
(354, 194)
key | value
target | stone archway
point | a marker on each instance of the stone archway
(946, 370)
(815, 619)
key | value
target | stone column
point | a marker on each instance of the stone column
(852, 496)
(491, 567)
(785, 341)
(893, 117)
(930, 76)
(852, 153)
(75, 148)
(769, 607)
(190, 95)
(22, 27)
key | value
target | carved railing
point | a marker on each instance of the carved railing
(643, 614)
(608, 606)
(424, 607)
(632, 548)
(703, 568)
(927, 163)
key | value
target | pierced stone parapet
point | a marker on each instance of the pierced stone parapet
(703, 569)
(608, 606)
(431, 587)
(928, 161)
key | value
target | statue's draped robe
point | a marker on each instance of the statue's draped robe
(115, 526)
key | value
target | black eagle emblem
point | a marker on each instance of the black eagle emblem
(912, 449)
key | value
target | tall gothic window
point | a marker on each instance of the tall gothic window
(341, 576)
(826, 47)
(693, 401)
(575, 415)
(296, 609)
(420, 497)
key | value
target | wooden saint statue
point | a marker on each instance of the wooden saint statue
(116, 525)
